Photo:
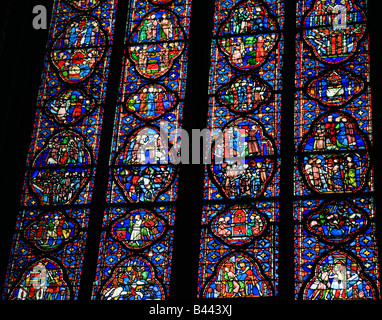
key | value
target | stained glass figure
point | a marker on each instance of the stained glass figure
(160, 40)
(137, 252)
(138, 229)
(238, 276)
(333, 29)
(245, 93)
(84, 5)
(50, 231)
(247, 35)
(78, 49)
(239, 225)
(338, 276)
(243, 178)
(151, 102)
(336, 222)
(240, 250)
(70, 106)
(43, 280)
(133, 279)
(335, 239)
(335, 88)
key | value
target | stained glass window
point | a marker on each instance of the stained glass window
(239, 246)
(101, 215)
(49, 241)
(137, 239)
(334, 211)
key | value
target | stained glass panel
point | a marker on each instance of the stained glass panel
(335, 238)
(239, 241)
(137, 240)
(49, 241)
